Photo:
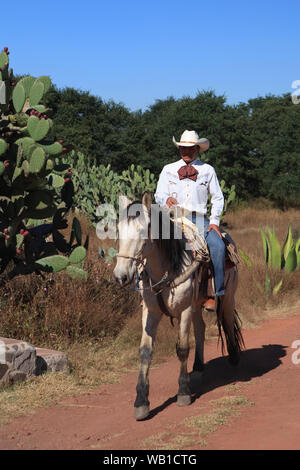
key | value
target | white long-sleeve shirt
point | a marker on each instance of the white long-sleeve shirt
(191, 195)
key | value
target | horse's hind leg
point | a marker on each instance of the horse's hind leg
(199, 333)
(150, 323)
(182, 349)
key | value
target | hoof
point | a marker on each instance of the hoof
(184, 400)
(141, 412)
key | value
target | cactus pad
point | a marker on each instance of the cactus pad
(3, 59)
(19, 97)
(76, 273)
(25, 168)
(56, 181)
(46, 82)
(27, 83)
(28, 144)
(53, 263)
(36, 92)
(3, 146)
(38, 128)
(54, 148)
(49, 165)
(77, 255)
(37, 160)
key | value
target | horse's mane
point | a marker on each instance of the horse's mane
(173, 248)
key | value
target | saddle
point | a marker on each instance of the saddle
(200, 252)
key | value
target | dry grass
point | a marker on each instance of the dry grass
(170, 440)
(193, 430)
(224, 409)
(26, 397)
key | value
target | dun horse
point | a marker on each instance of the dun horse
(167, 287)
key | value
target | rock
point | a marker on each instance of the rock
(19, 360)
(52, 361)
(3, 370)
(16, 376)
(16, 356)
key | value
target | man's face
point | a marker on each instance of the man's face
(189, 154)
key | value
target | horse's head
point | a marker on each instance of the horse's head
(133, 237)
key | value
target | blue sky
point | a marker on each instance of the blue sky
(135, 52)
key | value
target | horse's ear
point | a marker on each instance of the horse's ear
(124, 201)
(147, 199)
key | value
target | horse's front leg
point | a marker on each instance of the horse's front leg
(150, 322)
(182, 349)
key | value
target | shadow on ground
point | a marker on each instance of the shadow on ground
(218, 372)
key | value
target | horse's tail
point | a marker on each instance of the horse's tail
(234, 338)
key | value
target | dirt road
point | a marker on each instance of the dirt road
(268, 378)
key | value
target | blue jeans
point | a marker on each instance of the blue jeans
(216, 248)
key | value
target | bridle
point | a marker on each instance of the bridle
(139, 259)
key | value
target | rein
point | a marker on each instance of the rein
(172, 283)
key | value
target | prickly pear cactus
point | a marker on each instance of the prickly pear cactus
(99, 184)
(36, 189)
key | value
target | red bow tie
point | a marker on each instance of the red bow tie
(187, 171)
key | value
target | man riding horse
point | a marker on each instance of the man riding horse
(187, 183)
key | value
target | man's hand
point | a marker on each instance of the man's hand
(171, 201)
(216, 228)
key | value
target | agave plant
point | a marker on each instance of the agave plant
(287, 257)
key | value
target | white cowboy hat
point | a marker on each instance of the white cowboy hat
(190, 138)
